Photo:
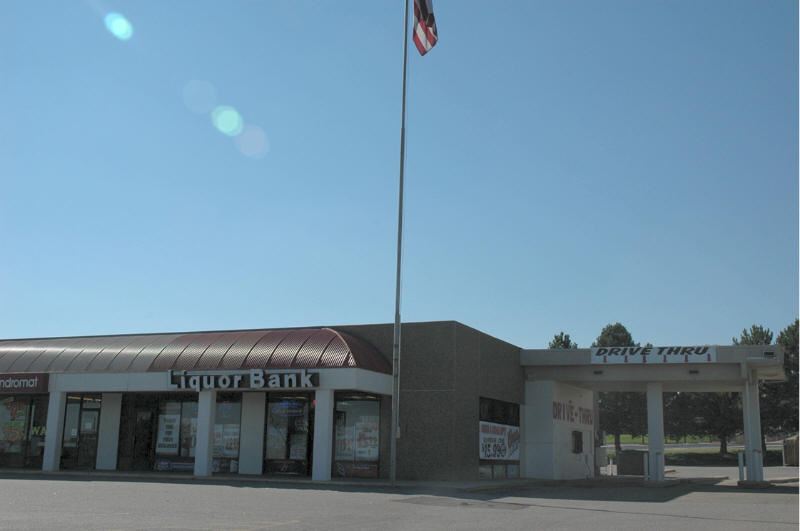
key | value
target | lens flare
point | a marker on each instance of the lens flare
(199, 96)
(253, 142)
(227, 120)
(118, 26)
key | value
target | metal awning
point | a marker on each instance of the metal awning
(304, 348)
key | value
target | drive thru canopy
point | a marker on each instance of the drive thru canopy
(656, 370)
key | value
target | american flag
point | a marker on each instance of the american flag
(425, 35)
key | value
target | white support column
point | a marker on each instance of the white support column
(323, 435)
(251, 435)
(655, 430)
(108, 437)
(755, 426)
(56, 409)
(596, 433)
(204, 449)
(752, 416)
(748, 444)
(523, 465)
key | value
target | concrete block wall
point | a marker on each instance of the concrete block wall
(445, 368)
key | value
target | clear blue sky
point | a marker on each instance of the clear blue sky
(569, 165)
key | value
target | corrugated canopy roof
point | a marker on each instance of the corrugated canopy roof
(306, 348)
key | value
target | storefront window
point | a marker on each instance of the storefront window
(498, 439)
(188, 428)
(22, 430)
(176, 435)
(169, 425)
(13, 417)
(226, 433)
(357, 436)
(288, 435)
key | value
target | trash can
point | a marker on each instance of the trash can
(631, 462)
(790, 451)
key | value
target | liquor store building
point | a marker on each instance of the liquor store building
(312, 402)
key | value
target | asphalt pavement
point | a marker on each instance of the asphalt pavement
(155, 502)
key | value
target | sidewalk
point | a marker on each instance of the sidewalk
(783, 475)
(676, 476)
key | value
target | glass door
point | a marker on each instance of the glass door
(289, 435)
(81, 427)
(142, 451)
(87, 438)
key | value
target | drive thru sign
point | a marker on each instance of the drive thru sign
(696, 354)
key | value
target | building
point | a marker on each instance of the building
(317, 401)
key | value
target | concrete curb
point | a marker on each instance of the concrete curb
(464, 486)
(784, 480)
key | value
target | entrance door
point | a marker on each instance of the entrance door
(142, 458)
(289, 435)
(87, 440)
(81, 427)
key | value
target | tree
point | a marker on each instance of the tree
(758, 335)
(682, 414)
(620, 412)
(779, 400)
(721, 416)
(615, 335)
(562, 340)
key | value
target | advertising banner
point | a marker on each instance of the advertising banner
(230, 440)
(367, 439)
(695, 354)
(167, 437)
(498, 441)
(12, 425)
(343, 447)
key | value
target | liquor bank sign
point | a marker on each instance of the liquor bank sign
(33, 382)
(252, 379)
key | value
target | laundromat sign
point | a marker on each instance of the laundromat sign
(252, 379)
(696, 354)
(32, 382)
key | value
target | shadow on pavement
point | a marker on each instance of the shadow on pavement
(469, 492)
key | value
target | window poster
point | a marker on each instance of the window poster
(366, 435)
(218, 443)
(188, 428)
(188, 436)
(168, 434)
(298, 444)
(498, 441)
(345, 449)
(277, 429)
(230, 441)
(12, 425)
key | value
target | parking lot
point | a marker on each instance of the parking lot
(99, 502)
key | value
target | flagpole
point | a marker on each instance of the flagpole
(396, 342)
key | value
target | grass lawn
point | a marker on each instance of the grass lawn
(627, 439)
(707, 457)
